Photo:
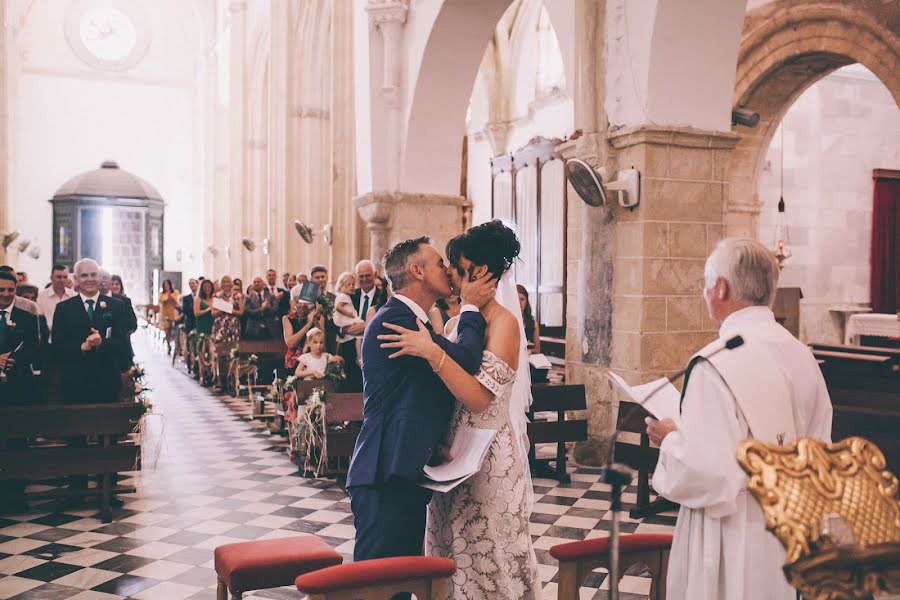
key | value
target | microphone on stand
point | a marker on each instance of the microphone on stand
(618, 476)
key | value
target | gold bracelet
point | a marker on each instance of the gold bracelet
(441, 363)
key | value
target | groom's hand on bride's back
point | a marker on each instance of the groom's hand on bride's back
(480, 291)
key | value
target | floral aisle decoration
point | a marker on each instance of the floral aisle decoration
(242, 367)
(134, 389)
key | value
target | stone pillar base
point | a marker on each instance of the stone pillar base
(392, 217)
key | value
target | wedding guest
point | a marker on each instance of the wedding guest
(113, 285)
(319, 275)
(187, 306)
(21, 278)
(299, 320)
(301, 277)
(27, 291)
(313, 363)
(90, 333)
(168, 300)
(532, 327)
(203, 318)
(18, 348)
(226, 326)
(443, 310)
(285, 280)
(238, 285)
(21, 303)
(257, 311)
(56, 293)
(366, 299)
(284, 306)
(278, 299)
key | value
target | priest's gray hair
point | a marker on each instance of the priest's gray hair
(749, 268)
(85, 264)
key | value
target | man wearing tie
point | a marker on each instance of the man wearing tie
(90, 339)
(18, 349)
(365, 296)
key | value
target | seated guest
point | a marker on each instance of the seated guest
(227, 326)
(90, 338)
(532, 328)
(187, 306)
(769, 388)
(300, 319)
(257, 311)
(314, 361)
(442, 311)
(18, 350)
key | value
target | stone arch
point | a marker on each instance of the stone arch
(450, 62)
(784, 50)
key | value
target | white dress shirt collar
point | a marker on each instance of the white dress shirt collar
(418, 310)
(95, 297)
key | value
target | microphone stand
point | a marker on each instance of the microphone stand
(618, 476)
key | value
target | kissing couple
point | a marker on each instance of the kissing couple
(419, 388)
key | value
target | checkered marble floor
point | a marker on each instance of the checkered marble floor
(211, 476)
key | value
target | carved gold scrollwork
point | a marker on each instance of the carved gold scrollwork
(799, 484)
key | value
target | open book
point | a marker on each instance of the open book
(470, 447)
(665, 404)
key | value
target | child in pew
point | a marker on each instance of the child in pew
(313, 362)
(344, 311)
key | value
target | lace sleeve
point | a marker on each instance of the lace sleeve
(494, 374)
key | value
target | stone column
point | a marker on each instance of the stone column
(4, 127)
(344, 219)
(389, 17)
(278, 228)
(232, 251)
(395, 216)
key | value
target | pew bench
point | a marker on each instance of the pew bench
(557, 399)
(23, 459)
(640, 457)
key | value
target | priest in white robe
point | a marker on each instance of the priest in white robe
(769, 388)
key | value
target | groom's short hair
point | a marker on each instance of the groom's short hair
(396, 261)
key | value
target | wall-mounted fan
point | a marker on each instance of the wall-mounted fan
(9, 238)
(308, 234)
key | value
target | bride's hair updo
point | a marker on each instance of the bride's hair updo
(492, 244)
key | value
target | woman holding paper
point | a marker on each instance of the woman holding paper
(482, 523)
(227, 308)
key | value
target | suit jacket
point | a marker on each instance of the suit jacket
(22, 328)
(258, 321)
(187, 309)
(407, 408)
(93, 376)
(377, 301)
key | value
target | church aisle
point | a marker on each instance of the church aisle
(220, 478)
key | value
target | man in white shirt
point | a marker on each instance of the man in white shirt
(49, 297)
(768, 388)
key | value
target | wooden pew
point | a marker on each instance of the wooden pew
(342, 408)
(640, 457)
(558, 399)
(112, 452)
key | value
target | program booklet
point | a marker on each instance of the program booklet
(665, 404)
(470, 447)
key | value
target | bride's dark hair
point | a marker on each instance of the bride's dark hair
(492, 244)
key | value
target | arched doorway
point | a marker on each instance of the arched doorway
(782, 53)
(116, 218)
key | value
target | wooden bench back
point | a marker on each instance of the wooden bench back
(558, 399)
(55, 421)
(260, 347)
(637, 456)
(17, 422)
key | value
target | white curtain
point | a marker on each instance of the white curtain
(526, 223)
(503, 196)
(553, 268)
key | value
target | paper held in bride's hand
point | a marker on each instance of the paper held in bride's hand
(663, 405)
(224, 305)
(468, 450)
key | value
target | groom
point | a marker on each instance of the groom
(407, 408)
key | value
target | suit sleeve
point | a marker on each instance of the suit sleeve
(130, 316)
(467, 350)
(29, 352)
(117, 343)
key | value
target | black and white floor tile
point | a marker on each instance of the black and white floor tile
(211, 476)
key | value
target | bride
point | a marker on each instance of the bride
(482, 524)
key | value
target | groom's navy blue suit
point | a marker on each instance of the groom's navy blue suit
(407, 411)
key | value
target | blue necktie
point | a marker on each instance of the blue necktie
(90, 309)
(365, 307)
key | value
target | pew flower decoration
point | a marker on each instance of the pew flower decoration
(310, 433)
(326, 301)
(334, 372)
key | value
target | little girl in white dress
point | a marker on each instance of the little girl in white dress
(313, 362)
(344, 312)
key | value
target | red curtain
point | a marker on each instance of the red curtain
(885, 257)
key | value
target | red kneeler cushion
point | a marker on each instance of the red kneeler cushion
(265, 564)
(375, 572)
(637, 542)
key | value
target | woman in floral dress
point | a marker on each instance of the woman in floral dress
(227, 327)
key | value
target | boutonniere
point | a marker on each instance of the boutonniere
(103, 304)
(11, 324)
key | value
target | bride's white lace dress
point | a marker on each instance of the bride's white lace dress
(482, 524)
